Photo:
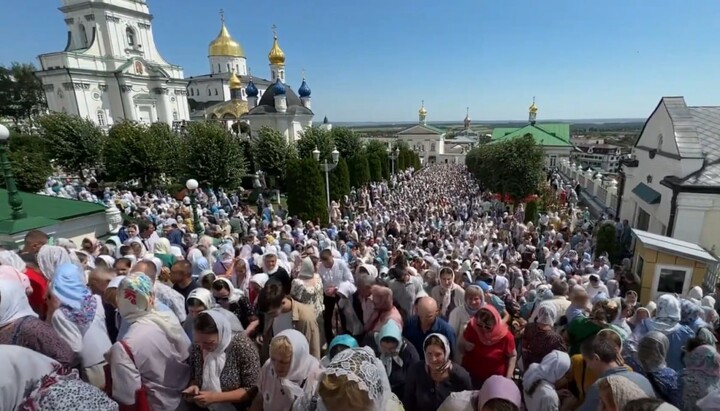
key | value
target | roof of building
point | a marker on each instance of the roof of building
(697, 135)
(555, 135)
(673, 246)
(422, 129)
(43, 211)
(266, 105)
(226, 76)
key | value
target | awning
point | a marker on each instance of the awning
(647, 194)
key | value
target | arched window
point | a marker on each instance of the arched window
(660, 142)
(432, 147)
(216, 93)
(175, 116)
(228, 66)
(219, 69)
(101, 118)
(192, 92)
(209, 92)
(237, 69)
(83, 36)
(130, 35)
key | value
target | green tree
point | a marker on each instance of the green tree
(138, 152)
(359, 170)
(531, 212)
(375, 166)
(512, 167)
(306, 190)
(30, 162)
(212, 156)
(346, 141)
(606, 242)
(312, 138)
(270, 153)
(74, 143)
(21, 92)
(340, 180)
(379, 149)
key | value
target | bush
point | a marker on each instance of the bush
(340, 181)
(606, 242)
(531, 212)
(306, 190)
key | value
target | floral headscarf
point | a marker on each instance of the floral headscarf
(76, 301)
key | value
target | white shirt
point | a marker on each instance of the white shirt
(544, 398)
(336, 275)
(93, 344)
(163, 372)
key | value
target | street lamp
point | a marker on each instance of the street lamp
(14, 199)
(393, 155)
(327, 168)
(192, 185)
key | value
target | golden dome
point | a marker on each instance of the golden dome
(533, 107)
(234, 81)
(224, 45)
(422, 110)
(276, 55)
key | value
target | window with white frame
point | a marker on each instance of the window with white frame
(101, 118)
(671, 279)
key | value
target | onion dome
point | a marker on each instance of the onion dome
(251, 90)
(304, 90)
(533, 108)
(276, 55)
(234, 82)
(279, 88)
(422, 110)
(224, 45)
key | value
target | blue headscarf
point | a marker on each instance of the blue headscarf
(390, 330)
(199, 265)
(692, 315)
(76, 301)
(344, 339)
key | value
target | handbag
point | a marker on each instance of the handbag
(141, 395)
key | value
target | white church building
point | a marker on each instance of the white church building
(110, 69)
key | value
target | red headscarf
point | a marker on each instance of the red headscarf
(498, 332)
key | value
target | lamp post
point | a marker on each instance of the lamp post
(192, 185)
(393, 155)
(14, 199)
(327, 168)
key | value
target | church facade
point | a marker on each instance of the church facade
(111, 69)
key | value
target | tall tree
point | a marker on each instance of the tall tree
(379, 149)
(312, 138)
(74, 143)
(306, 190)
(212, 156)
(513, 168)
(359, 170)
(30, 162)
(270, 153)
(375, 166)
(138, 152)
(21, 92)
(346, 141)
(340, 180)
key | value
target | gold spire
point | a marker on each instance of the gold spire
(224, 45)
(276, 55)
(422, 110)
(533, 108)
(234, 81)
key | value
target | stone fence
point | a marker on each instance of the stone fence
(598, 192)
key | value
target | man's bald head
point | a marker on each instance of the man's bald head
(426, 306)
(145, 267)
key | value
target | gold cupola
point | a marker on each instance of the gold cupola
(234, 82)
(276, 55)
(422, 113)
(224, 45)
(532, 115)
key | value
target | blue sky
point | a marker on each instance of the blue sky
(376, 60)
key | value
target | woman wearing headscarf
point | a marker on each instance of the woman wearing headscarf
(701, 375)
(235, 301)
(540, 337)
(447, 293)
(651, 354)
(459, 317)
(224, 366)
(383, 309)
(428, 383)
(539, 381)
(501, 288)
(693, 316)
(499, 394)
(581, 328)
(199, 265)
(290, 373)
(19, 325)
(200, 300)
(353, 381)
(239, 274)
(396, 353)
(307, 288)
(257, 283)
(225, 258)
(78, 317)
(338, 344)
(489, 347)
(152, 353)
(32, 381)
(616, 391)
(667, 321)
(163, 251)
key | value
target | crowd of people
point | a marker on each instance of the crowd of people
(424, 293)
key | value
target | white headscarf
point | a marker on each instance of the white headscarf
(214, 361)
(547, 313)
(51, 256)
(204, 296)
(12, 259)
(13, 302)
(235, 294)
(301, 364)
(21, 367)
(552, 368)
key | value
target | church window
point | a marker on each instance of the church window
(192, 92)
(101, 118)
(219, 68)
(237, 68)
(216, 93)
(242, 92)
(130, 35)
(83, 36)
(209, 92)
(175, 116)
(228, 66)
(432, 147)
(660, 142)
(197, 91)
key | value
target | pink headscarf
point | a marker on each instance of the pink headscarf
(11, 273)
(499, 387)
